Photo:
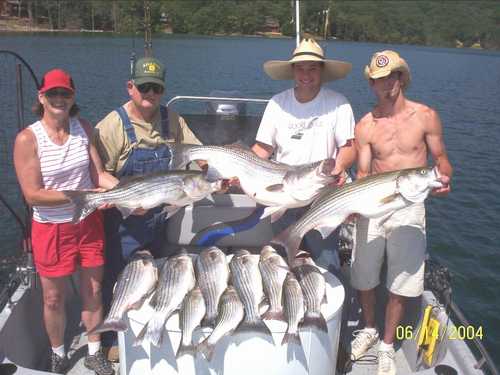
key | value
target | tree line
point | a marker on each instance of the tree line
(425, 22)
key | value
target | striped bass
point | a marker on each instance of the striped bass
(212, 273)
(175, 188)
(246, 279)
(277, 185)
(273, 269)
(372, 196)
(175, 281)
(136, 281)
(230, 314)
(192, 312)
(313, 286)
(293, 302)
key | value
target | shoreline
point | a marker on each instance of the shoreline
(14, 26)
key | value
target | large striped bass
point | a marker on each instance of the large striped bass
(277, 185)
(175, 188)
(136, 281)
(372, 196)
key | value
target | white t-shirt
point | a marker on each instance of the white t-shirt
(303, 133)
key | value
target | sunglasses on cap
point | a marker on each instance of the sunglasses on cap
(59, 92)
(145, 87)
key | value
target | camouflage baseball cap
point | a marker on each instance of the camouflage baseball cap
(148, 69)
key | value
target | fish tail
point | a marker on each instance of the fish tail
(140, 337)
(180, 156)
(118, 325)
(82, 203)
(290, 241)
(291, 338)
(206, 349)
(185, 349)
(315, 320)
(274, 315)
(155, 330)
(256, 325)
(208, 322)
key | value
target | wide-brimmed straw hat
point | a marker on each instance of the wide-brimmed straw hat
(384, 63)
(308, 50)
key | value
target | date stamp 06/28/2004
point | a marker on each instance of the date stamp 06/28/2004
(452, 333)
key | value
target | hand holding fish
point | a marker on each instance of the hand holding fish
(445, 189)
(340, 177)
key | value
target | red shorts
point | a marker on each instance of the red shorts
(58, 248)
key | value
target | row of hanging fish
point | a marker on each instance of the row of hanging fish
(211, 291)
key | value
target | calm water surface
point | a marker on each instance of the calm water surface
(462, 85)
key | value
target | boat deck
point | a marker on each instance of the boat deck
(26, 345)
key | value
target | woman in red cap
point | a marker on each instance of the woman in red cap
(52, 155)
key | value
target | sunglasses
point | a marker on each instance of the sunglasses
(59, 92)
(145, 87)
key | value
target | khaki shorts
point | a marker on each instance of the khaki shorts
(402, 236)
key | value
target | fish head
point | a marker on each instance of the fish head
(143, 255)
(306, 181)
(198, 187)
(326, 167)
(267, 251)
(416, 183)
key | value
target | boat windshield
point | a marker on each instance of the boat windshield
(224, 117)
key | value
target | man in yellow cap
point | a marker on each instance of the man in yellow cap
(398, 133)
(309, 123)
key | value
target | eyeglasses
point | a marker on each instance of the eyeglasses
(66, 94)
(145, 87)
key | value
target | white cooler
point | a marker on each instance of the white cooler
(239, 353)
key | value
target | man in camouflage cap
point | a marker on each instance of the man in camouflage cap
(131, 142)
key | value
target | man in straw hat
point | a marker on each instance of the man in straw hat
(396, 134)
(308, 123)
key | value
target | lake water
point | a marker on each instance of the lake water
(462, 85)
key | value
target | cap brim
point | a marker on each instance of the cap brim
(282, 70)
(379, 74)
(142, 80)
(43, 90)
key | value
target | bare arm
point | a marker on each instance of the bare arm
(29, 175)
(99, 176)
(435, 144)
(262, 150)
(345, 158)
(363, 148)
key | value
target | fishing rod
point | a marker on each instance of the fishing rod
(25, 226)
(297, 22)
(148, 40)
(148, 43)
(24, 273)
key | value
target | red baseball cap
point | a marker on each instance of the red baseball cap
(56, 78)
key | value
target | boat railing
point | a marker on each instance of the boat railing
(438, 280)
(214, 98)
(485, 362)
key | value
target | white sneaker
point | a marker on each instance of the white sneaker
(364, 339)
(386, 362)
